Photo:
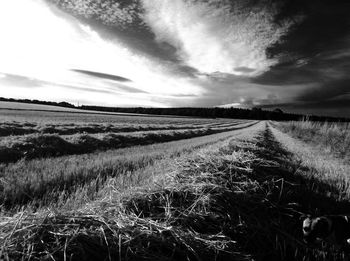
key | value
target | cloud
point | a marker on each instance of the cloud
(103, 75)
(114, 79)
(217, 36)
(107, 17)
(335, 108)
(244, 69)
(178, 52)
(112, 89)
(113, 13)
(48, 50)
(327, 91)
(323, 78)
(324, 26)
(14, 80)
(288, 74)
(222, 89)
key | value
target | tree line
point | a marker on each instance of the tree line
(60, 104)
(215, 112)
(211, 112)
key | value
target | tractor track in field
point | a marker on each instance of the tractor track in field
(293, 188)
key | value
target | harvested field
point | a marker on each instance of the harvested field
(17, 129)
(37, 146)
(42, 114)
(211, 191)
(29, 106)
(40, 182)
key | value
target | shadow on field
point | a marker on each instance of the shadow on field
(260, 209)
(312, 195)
(273, 223)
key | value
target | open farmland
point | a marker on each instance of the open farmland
(23, 113)
(43, 135)
(76, 186)
(17, 107)
(36, 107)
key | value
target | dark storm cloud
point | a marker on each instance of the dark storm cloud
(336, 108)
(325, 29)
(315, 54)
(327, 79)
(288, 74)
(325, 23)
(328, 91)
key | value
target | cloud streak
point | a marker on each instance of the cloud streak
(103, 75)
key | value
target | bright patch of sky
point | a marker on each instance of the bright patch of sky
(39, 44)
(42, 44)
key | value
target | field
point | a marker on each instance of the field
(87, 186)
(20, 111)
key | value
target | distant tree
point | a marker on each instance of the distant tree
(277, 110)
(66, 104)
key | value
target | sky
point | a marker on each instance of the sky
(287, 54)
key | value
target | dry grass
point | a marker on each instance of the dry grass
(155, 225)
(55, 181)
(118, 231)
(38, 146)
(331, 137)
(83, 117)
(322, 165)
(238, 202)
(16, 129)
(123, 238)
